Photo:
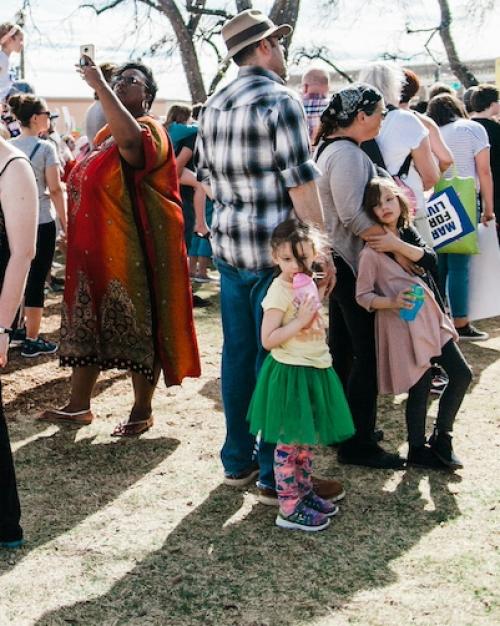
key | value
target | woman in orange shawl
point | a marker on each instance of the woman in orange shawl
(127, 299)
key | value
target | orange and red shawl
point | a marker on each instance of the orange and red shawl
(127, 298)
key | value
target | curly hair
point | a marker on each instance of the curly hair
(151, 86)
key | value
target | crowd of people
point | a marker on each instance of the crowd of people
(276, 187)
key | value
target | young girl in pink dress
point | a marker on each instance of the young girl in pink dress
(406, 349)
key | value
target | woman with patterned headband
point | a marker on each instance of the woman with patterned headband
(353, 115)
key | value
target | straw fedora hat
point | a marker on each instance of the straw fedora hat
(249, 27)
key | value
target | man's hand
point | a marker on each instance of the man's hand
(328, 274)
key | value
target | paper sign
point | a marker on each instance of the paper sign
(447, 218)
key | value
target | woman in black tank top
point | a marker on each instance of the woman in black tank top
(18, 218)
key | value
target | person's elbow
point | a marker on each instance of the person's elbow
(56, 190)
(429, 179)
(267, 344)
(445, 163)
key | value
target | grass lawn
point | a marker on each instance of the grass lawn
(143, 532)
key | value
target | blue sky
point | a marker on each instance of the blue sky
(354, 33)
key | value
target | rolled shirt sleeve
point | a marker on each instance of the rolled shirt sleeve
(291, 144)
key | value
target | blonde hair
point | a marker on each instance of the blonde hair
(387, 78)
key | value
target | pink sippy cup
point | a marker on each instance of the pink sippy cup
(304, 285)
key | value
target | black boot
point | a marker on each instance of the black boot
(441, 446)
(422, 456)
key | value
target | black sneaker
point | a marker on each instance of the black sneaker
(442, 448)
(369, 455)
(37, 347)
(17, 337)
(422, 456)
(470, 333)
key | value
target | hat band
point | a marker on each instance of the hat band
(248, 33)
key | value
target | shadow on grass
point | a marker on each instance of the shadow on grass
(93, 476)
(250, 573)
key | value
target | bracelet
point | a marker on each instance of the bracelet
(4, 330)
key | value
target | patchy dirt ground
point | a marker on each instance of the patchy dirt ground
(144, 532)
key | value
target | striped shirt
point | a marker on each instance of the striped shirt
(465, 139)
(252, 146)
(314, 105)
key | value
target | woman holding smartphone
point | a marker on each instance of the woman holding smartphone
(127, 299)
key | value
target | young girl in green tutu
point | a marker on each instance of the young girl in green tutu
(298, 400)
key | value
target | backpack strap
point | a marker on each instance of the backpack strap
(327, 142)
(372, 149)
(35, 150)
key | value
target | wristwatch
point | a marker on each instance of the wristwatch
(4, 331)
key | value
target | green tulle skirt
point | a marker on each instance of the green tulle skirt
(295, 404)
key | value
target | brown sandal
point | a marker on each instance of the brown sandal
(132, 429)
(80, 418)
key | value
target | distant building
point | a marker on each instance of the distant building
(429, 73)
(77, 107)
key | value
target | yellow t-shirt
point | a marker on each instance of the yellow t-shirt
(309, 346)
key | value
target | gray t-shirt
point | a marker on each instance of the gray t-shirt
(44, 157)
(346, 171)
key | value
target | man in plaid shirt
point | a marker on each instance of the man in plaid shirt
(253, 152)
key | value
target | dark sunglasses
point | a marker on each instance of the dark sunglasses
(128, 80)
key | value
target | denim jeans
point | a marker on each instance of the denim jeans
(454, 281)
(241, 294)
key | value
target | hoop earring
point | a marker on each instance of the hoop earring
(146, 105)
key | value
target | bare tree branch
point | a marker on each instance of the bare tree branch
(102, 9)
(319, 53)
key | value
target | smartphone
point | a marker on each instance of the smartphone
(88, 50)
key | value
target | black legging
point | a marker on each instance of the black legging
(10, 510)
(352, 344)
(459, 374)
(40, 266)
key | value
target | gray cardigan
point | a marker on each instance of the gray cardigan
(346, 170)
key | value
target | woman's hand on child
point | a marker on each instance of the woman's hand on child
(403, 300)
(307, 311)
(387, 242)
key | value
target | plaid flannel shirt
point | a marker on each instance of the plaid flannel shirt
(252, 146)
(314, 105)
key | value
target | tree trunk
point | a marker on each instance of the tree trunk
(285, 12)
(461, 71)
(187, 50)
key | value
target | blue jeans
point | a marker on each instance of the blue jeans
(454, 281)
(241, 294)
